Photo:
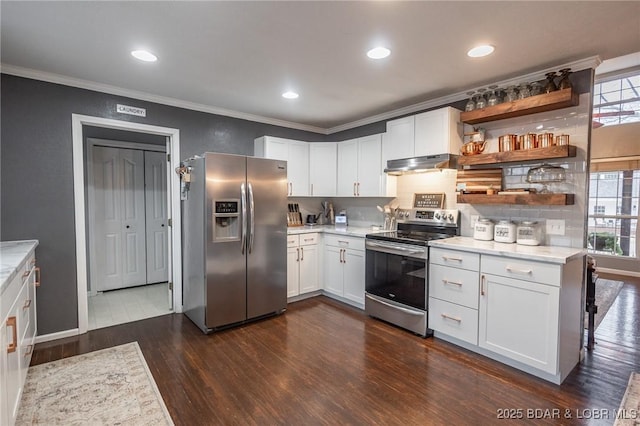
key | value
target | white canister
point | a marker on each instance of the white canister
(529, 234)
(483, 230)
(504, 232)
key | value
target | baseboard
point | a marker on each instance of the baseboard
(618, 272)
(56, 336)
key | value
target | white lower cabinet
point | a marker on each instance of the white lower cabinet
(302, 264)
(17, 335)
(344, 268)
(519, 319)
(525, 313)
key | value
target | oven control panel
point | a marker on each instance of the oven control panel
(429, 216)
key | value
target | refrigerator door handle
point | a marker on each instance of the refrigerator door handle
(251, 218)
(243, 208)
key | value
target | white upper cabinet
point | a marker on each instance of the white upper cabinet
(398, 142)
(323, 163)
(360, 170)
(295, 153)
(438, 132)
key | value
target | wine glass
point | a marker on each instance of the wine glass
(551, 85)
(523, 91)
(482, 101)
(511, 94)
(564, 82)
(471, 105)
(494, 97)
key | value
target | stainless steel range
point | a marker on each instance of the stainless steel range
(397, 279)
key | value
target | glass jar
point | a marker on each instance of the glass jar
(529, 233)
(504, 232)
(471, 104)
(511, 94)
(483, 230)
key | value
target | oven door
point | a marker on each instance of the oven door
(396, 285)
(397, 272)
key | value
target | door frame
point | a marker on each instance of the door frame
(173, 212)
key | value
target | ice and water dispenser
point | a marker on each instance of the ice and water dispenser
(226, 220)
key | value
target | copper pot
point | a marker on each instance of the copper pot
(562, 140)
(473, 148)
(545, 140)
(507, 143)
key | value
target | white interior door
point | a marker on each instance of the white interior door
(117, 213)
(155, 191)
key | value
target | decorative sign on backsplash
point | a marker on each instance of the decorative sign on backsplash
(432, 201)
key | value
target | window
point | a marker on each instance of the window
(617, 100)
(613, 199)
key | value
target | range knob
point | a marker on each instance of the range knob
(451, 217)
(437, 215)
(406, 213)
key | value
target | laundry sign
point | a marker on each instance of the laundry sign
(131, 110)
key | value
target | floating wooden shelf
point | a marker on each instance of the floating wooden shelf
(561, 151)
(540, 103)
(523, 199)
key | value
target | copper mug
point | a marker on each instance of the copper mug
(562, 140)
(528, 141)
(507, 143)
(545, 140)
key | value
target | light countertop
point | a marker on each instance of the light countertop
(550, 254)
(353, 231)
(12, 254)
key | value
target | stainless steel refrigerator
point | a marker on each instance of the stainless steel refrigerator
(234, 239)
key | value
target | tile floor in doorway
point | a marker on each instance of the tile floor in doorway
(126, 305)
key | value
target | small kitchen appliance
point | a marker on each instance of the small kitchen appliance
(396, 264)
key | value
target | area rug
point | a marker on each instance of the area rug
(108, 387)
(606, 293)
(629, 412)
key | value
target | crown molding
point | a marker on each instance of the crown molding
(143, 96)
(590, 62)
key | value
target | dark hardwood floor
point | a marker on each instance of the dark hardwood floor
(323, 362)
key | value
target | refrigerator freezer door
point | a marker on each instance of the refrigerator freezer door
(225, 290)
(267, 257)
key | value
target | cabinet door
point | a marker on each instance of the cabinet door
(438, 132)
(12, 372)
(293, 268)
(4, 416)
(333, 270)
(519, 320)
(399, 139)
(354, 271)
(298, 168)
(309, 257)
(370, 169)
(348, 168)
(323, 168)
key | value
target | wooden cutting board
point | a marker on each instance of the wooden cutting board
(478, 181)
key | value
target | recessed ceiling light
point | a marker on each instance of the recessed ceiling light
(143, 55)
(290, 95)
(480, 51)
(378, 52)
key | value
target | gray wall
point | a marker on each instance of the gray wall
(36, 172)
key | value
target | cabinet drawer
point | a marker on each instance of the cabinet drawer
(292, 241)
(354, 243)
(454, 320)
(454, 285)
(458, 259)
(308, 239)
(527, 270)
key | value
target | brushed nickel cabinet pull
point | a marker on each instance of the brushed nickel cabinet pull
(519, 271)
(354, 189)
(37, 283)
(27, 303)
(301, 253)
(358, 189)
(445, 316)
(25, 274)
(311, 189)
(29, 350)
(457, 259)
(11, 322)
(452, 282)
(298, 258)
(482, 280)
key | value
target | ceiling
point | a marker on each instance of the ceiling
(237, 58)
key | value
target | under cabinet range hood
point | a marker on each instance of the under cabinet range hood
(421, 164)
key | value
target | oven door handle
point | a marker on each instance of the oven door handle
(405, 310)
(390, 248)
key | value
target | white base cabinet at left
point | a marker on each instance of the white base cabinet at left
(17, 334)
(344, 268)
(303, 259)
